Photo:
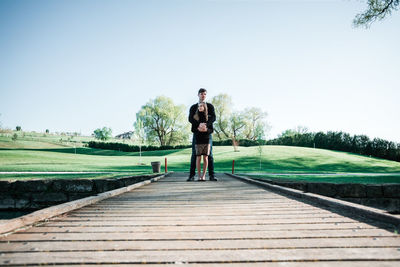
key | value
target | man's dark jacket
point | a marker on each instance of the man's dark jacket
(210, 121)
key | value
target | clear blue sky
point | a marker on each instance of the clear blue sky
(80, 65)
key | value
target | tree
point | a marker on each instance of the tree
(164, 122)
(295, 131)
(377, 10)
(236, 127)
(250, 123)
(102, 134)
(223, 111)
(18, 128)
(256, 125)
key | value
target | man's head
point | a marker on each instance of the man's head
(202, 94)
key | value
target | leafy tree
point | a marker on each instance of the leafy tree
(360, 144)
(292, 132)
(236, 126)
(249, 124)
(18, 128)
(286, 133)
(164, 122)
(256, 125)
(102, 134)
(377, 10)
(223, 111)
(14, 137)
(47, 131)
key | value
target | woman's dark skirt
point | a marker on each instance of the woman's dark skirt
(202, 149)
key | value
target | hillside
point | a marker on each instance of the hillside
(51, 154)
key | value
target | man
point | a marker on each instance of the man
(203, 127)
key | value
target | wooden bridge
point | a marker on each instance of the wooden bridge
(228, 222)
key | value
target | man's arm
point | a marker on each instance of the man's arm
(211, 115)
(192, 110)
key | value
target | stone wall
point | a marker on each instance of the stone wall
(42, 193)
(381, 196)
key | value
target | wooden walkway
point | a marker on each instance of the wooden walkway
(202, 223)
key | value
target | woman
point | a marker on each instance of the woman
(202, 140)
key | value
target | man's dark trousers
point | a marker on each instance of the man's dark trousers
(193, 159)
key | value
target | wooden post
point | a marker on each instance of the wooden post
(233, 166)
(166, 168)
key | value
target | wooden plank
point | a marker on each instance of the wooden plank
(187, 214)
(201, 217)
(67, 222)
(353, 242)
(187, 211)
(201, 235)
(197, 228)
(198, 256)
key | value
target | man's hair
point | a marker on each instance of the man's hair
(202, 90)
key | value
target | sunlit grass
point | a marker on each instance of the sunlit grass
(275, 159)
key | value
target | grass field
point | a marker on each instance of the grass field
(294, 162)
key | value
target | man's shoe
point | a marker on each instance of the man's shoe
(212, 178)
(190, 179)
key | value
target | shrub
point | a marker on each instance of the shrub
(130, 148)
(341, 141)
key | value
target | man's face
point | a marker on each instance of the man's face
(202, 96)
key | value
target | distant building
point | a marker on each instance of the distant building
(127, 135)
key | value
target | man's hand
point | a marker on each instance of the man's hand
(202, 127)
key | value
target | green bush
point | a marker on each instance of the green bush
(341, 141)
(129, 148)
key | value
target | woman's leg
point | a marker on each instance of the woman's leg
(198, 159)
(205, 164)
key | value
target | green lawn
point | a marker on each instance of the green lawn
(47, 156)
(39, 140)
